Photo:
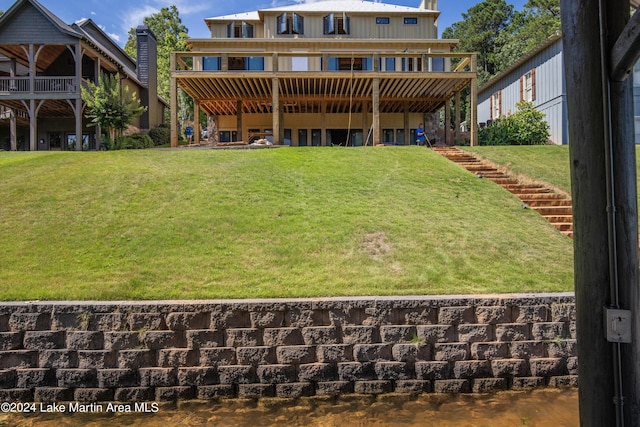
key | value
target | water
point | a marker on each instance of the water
(548, 407)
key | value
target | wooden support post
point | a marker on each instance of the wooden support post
(323, 123)
(13, 130)
(456, 120)
(376, 111)
(240, 134)
(365, 122)
(196, 122)
(583, 74)
(174, 102)
(78, 109)
(275, 110)
(473, 116)
(407, 125)
(447, 122)
(623, 161)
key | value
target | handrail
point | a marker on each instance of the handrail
(41, 84)
(193, 61)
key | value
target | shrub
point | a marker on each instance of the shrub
(135, 141)
(160, 135)
(526, 127)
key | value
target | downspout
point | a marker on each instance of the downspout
(618, 398)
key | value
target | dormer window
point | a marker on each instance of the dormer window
(336, 23)
(240, 30)
(290, 23)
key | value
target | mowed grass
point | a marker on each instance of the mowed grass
(546, 163)
(288, 222)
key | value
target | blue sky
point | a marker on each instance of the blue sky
(117, 16)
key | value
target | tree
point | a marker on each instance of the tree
(171, 35)
(478, 32)
(539, 20)
(109, 105)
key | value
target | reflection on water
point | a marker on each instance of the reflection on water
(549, 407)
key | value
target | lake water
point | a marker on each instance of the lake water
(548, 407)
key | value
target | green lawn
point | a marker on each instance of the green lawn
(289, 222)
(548, 163)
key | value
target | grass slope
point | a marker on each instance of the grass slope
(291, 222)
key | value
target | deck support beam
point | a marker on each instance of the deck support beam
(376, 111)
(173, 113)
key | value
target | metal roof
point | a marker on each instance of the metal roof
(349, 6)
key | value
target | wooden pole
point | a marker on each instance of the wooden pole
(376, 111)
(626, 214)
(582, 59)
(173, 113)
(473, 113)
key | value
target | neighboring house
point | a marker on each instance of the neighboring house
(345, 72)
(538, 76)
(44, 62)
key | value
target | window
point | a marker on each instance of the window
(387, 64)
(528, 86)
(211, 63)
(382, 21)
(495, 105)
(349, 64)
(291, 23)
(336, 24)
(411, 64)
(411, 21)
(242, 30)
(252, 63)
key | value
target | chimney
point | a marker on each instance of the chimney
(147, 71)
(429, 5)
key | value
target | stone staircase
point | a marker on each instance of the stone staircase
(555, 207)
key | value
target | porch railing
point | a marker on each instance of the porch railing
(17, 85)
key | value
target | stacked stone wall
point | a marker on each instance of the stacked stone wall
(154, 351)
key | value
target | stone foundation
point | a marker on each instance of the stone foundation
(156, 351)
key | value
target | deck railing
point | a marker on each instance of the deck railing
(360, 62)
(19, 85)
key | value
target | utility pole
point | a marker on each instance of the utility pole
(603, 181)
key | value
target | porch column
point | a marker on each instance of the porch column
(456, 119)
(33, 125)
(239, 132)
(447, 121)
(376, 111)
(275, 111)
(13, 133)
(78, 112)
(96, 80)
(365, 122)
(473, 125)
(196, 122)
(323, 123)
(173, 90)
(407, 130)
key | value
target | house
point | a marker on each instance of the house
(538, 77)
(346, 72)
(43, 64)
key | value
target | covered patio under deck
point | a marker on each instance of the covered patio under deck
(317, 84)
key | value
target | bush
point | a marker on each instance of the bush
(135, 141)
(160, 135)
(526, 127)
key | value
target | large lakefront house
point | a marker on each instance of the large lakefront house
(43, 64)
(346, 72)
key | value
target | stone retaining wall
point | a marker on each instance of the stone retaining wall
(153, 351)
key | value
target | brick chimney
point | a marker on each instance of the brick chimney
(147, 70)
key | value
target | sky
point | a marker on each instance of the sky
(116, 17)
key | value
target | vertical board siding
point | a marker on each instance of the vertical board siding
(549, 87)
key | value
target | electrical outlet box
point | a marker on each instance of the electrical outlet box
(618, 325)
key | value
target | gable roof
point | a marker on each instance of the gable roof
(18, 6)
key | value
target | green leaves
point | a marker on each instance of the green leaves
(109, 104)
(526, 127)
